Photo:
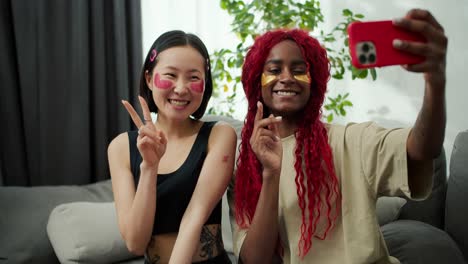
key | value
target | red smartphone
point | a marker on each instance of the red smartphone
(371, 44)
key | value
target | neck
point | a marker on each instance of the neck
(289, 123)
(287, 127)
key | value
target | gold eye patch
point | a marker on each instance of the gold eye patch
(303, 78)
(266, 79)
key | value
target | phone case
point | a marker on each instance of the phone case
(371, 44)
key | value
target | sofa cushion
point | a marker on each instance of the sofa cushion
(84, 232)
(456, 217)
(414, 242)
(388, 209)
(25, 212)
(236, 124)
(432, 209)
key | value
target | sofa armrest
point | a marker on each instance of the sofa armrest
(456, 216)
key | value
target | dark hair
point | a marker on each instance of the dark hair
(170, 39)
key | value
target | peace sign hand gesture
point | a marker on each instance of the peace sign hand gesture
(151, 142)
(266, 143)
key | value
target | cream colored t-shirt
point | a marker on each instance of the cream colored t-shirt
(369, 161)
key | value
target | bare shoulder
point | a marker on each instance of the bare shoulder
(222, 135)
(118, 151)
(119, 143)
(223, 131)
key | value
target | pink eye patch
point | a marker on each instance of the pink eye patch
(162, 84)
(198, 87)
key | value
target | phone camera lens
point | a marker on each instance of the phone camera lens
(371, 58)
(362, 59)
(365, 47)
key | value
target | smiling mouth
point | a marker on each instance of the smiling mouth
(178, 102)
(285, 93)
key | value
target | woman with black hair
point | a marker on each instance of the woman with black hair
(169, 176)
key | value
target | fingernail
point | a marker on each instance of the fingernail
(259, 104)
(278, 117)
(397, 43)
(123, 101)
(278, 138)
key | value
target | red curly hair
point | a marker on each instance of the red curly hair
(315, 174)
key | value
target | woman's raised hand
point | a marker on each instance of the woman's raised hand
(151, 142)
(266, 143)
(434, 50)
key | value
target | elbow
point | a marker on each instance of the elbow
(431, 153)
(135, 250)
(427, 153)
(437, 151)
(135, 245)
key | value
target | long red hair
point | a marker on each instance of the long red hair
(315, 174)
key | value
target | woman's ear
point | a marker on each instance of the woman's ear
(148, 79)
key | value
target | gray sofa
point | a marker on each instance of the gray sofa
(435, 230)
(76, 224)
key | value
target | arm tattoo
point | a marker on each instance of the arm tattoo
(211, 241)
(152, 258)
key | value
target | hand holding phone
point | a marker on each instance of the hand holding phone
(371, 44)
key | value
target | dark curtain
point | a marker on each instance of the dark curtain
(64, 68)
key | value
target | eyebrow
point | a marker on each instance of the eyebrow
(176, 69)
(279, 61)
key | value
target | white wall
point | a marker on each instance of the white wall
(394, 99)
(201, 17)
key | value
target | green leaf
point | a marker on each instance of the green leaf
(337, 76)
(347, 12)
(363, 74)
(223, 4)
(373, 73)
(342, 112)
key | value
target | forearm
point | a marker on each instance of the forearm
(260, 242)
(139, 224)
(187, 241)
(427, 136)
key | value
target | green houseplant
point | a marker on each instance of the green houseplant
(251, 18)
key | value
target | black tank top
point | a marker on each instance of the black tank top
(175, 189)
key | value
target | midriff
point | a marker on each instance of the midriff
(210, 245)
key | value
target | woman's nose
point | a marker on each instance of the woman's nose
(181, 87)
(286, 76)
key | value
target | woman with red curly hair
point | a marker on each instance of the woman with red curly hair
(305, 191)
